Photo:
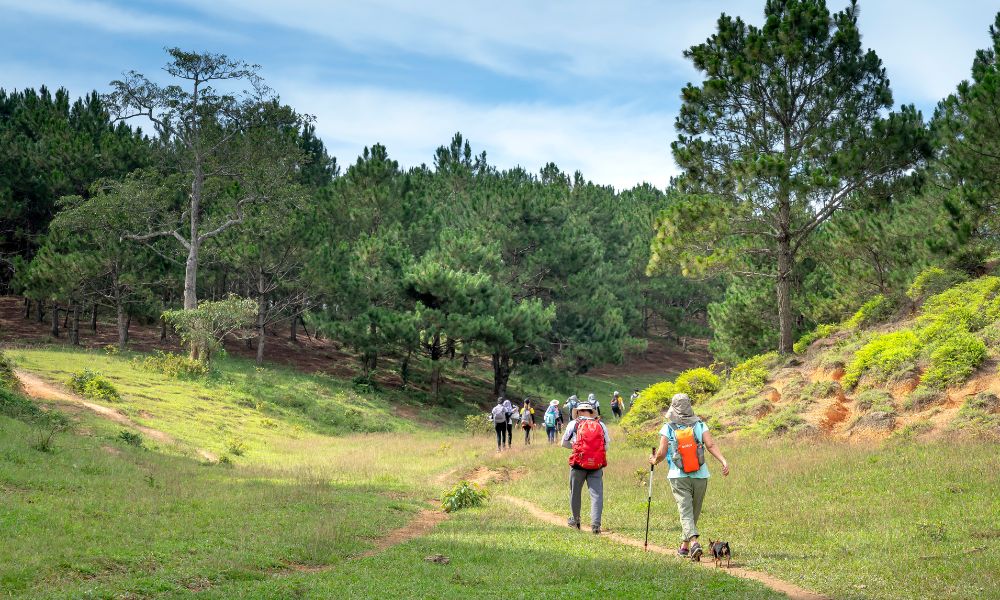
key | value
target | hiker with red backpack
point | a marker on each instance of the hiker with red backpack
(588, 438)
(683, 441)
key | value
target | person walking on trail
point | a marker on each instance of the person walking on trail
(633, 397)
(683, 441)
(499, 417)
(593, 401)
(571, 403)
(616, 404)
(551, 420)
(527, 421)
(588, 438)
(509, 408)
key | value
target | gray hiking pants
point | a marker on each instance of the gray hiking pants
(689, 493)
(595, 483)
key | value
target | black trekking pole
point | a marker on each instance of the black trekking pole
(649, 502)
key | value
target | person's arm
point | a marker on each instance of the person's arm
(568, 435)
(661, 452)
(710, 445)
(607, 437)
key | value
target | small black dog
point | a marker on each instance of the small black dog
(720, 550)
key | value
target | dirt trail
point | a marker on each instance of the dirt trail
(40, 389)
(789, 589)
(421, 525)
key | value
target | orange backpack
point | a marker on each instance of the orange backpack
(689, 452)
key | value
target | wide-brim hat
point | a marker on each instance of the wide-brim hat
(585, 406)
(554, 403)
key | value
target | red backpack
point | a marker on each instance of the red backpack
(588, 446)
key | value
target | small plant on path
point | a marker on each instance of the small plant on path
(464, 495)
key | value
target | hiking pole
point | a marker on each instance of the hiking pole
(649, 502)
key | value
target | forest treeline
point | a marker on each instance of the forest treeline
(803, 193)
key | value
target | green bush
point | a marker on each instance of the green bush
(754, 371)
(698, 383)
(236, 446)
(132, 438)
(651, 403)
(93, 385)
(979, 415)
(477, 424)
(17, 406)
(877, 310)
(884, 357)
(787, 420)
(819, 333)
(821, 389)
(953, 360)
(931, 281)
(874, 400)
(463, 495)
(172, 365)
(922, 398)
(968, 306)
(8, 380)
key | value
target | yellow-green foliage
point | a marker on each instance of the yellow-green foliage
(874, 400)
(884, 356)
(954, 359)
(979, 414)
(876, 310)
(786, 420)
(94, 386)
(969, 307)
(698, 383)
(8, 380)
(820, 332)
(933, 280)
(753, 372)
(651, 402)
(172, 365)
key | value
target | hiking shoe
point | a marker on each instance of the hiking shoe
(573, 523)
(696, 552)
(596, 529)
(682, 551)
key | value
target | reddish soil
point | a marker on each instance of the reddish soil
(835, 415)
(789, 589)
(660, 356)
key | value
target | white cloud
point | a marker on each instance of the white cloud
(106, 17)
(611, 145)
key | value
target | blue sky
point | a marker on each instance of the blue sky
(590, 85)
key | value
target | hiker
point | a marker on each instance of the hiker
(551, 420)
(593, 401)
(633, 398)
(616, 404)
(499, 417)
(559, 419)
(588, 438)
(507, 406)
(571, 403)
(683, 441)
(527, 421)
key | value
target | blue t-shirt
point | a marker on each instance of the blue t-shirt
(675, 472)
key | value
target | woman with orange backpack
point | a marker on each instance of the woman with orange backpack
(588, 438)
(683, 441)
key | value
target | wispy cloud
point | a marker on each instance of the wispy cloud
(613, 145)
(106, 17)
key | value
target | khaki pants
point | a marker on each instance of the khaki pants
(689, 493)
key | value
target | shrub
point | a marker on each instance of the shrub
(883, 357)
(954, 360)
(922, 398)
(464, 495)
(112, 350)
(821, 389)
(477, 424)
(132, 438)
(699, 384)
(236, 446)
(93, 385)
(979, 414)
(753, 372)
(876, 310)
(8, 380)
(204, 328)
(172, 365)
(786, 420)
(968, 306)
(874, 400)
(820, 332)
(651, 403)
(16, 406)
(931, 281)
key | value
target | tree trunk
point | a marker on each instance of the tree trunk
(55, 320)
(261, 313)
(74, 333)
(191, 277)
(66, 320)
(93, 319)
(128, 325)
(501, 373)
(163, 329)
(436, 355)
(786, 323)
(122, 327)
(293, 330)
(450, 351)
(27, 308)
(404, 367)
(41, 311)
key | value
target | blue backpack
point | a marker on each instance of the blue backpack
(550, 418)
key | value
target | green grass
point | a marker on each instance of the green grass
(902, 520)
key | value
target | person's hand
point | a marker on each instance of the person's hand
(652, 459)
(725, 468)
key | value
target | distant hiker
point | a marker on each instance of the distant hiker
(617, 405)
(633, 398)
(527, 421)
(559, 420)
(571, 403)
(593, 401)
(499, 417)
(510, 421)
(683, 441)
(588, 438)
(551, 420)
